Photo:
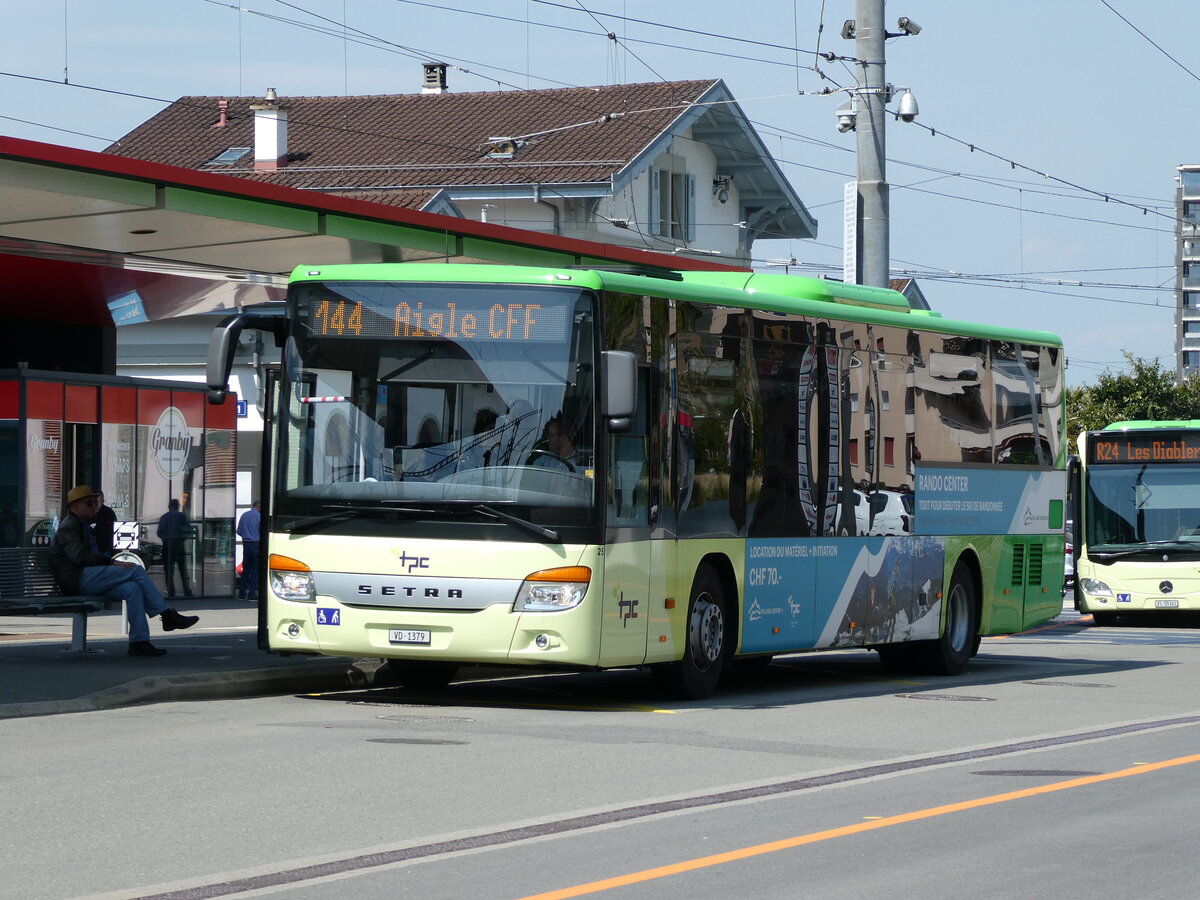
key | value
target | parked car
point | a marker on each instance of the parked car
(891, 512)
(862, 515)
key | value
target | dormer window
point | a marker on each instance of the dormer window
(503, 147)
(228, 157)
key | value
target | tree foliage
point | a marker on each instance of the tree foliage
(1146, 391)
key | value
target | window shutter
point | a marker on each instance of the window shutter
(652, 217)
(691, 208)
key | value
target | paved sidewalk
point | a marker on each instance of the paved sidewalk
(216, 658)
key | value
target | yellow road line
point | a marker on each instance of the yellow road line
(1047, 627)
(717, 859)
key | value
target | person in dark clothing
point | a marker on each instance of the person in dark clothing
(248, 530)
(104, 525)
(80, 568)
(172, 531)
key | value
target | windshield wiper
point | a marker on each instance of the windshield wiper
(540, 530)
(1146, 547)
(342, 511)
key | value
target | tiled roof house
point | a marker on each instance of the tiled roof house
(911, 291)
(668, 166)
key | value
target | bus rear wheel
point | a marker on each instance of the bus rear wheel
(950, 653)
(708, 646)
(422, 674)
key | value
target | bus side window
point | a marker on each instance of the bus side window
(627, 485)
(629, 472)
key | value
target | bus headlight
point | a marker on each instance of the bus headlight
(552, 590)
(1095, 587)
(291, 579)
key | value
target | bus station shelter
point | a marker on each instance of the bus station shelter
(147, 442)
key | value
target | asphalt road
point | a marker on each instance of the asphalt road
(1064, 765)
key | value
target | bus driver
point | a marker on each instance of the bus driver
(561, 448)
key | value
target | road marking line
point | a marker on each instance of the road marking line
(717, 859)
(1049, 626)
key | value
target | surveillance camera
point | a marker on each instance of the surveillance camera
(908, 26)
(846, 117)
(907, 110)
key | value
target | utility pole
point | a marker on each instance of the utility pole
(865, 115)
(869, 35)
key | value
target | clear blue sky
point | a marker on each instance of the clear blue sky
(1067, 89)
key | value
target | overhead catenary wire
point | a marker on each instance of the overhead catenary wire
(1149, 40)
(695, 32)
(612, 36)
(1032, 285)
(1106, 196)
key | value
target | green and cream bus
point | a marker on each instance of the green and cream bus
(473, 464)
(1137, 522)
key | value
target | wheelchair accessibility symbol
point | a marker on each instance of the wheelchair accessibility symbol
(329, 617)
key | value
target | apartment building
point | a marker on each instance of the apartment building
(1187, 272)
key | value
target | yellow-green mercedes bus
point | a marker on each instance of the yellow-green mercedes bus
(1137, 526)
(484, 464)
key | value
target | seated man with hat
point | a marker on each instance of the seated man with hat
(80, 568)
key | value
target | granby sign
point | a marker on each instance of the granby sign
(170, 443)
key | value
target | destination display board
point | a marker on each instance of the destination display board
(466, 313)
(1144, 447)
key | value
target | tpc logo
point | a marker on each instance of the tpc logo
(413, 562)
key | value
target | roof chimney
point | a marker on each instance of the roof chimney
(223, 107)
(435, 78)
(270, 133)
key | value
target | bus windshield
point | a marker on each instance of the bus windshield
(438, 399)
(1131, 505)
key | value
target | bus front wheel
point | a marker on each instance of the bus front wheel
(422, 674)
(695, 676)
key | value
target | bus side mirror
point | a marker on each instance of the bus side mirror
(223, 345)
(620, 388)
(1074, 523)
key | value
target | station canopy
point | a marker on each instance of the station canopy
(97, 239)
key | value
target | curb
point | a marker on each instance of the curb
(334, 676)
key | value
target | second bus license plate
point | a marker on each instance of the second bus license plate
(407, 636)
(1166, 604)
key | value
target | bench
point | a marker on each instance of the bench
(28, 589)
